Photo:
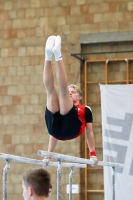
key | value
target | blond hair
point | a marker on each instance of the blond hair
(76, 88)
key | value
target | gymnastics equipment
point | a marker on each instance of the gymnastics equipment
(9, 157)
(61, 157)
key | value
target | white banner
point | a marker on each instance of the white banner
(117, 133)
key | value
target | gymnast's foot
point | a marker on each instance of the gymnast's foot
(57, 48)
(49, 46)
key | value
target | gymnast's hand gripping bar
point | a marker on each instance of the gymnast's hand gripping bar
(38, 162)
(76, 159)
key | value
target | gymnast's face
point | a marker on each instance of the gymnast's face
(74, 95)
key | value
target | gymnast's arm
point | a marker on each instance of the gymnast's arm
(91, 141)
(51, 147)
(52, 143)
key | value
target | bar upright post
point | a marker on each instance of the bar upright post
(70, 182)
(6, 168)
(59, 180)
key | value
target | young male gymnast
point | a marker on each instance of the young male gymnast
(65, 117)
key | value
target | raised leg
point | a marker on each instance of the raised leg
(48, 77)
(65, 102)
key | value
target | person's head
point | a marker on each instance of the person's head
(36, 183)
(75, 93)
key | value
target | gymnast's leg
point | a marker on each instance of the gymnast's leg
(65, 102)
(48, 77)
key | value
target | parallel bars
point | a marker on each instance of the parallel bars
(9, 158)
(61, 157)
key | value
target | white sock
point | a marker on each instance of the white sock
(48, 48)
(57, 48)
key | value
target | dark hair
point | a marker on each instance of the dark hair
(39, 180)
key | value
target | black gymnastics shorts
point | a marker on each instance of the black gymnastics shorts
(63, 127)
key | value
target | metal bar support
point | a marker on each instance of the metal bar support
(76, 55)
(59, 180)
(70, 182)
(6, 168)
